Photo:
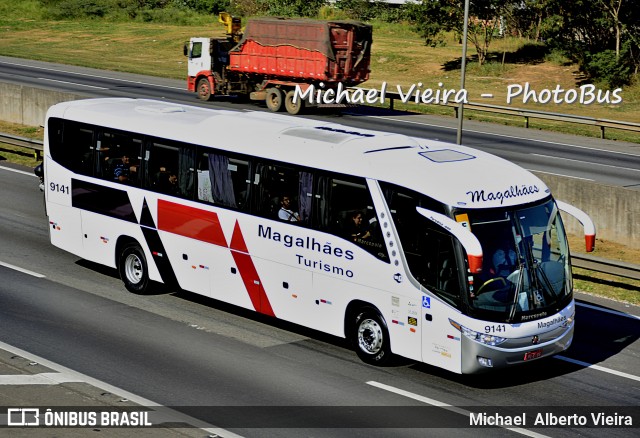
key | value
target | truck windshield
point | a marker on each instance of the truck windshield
(526, 270)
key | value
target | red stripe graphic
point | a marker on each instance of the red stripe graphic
(190, 222)
(204, 226)
(249, 273)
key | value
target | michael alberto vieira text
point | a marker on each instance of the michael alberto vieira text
(549, 419)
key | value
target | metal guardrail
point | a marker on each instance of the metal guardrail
(591, 263)
(598, 264)
(527, 114)
(15, 140)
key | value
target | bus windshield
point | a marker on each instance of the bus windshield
(526, 270)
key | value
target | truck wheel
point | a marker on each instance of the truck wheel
(132, 266)
(275, 100)
(204, 89)
(293, 108)
(370, 337)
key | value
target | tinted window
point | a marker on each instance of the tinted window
(170, 168)
(72, 145)
(223, 180)
(344, 207)
(118, 157)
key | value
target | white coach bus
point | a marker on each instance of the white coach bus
(435, 252)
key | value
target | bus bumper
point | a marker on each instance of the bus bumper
(481, 358)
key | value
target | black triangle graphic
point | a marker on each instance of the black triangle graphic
(146, 220)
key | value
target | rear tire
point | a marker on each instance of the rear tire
(275, 99)
(293, 108)
(204, 89)
(371, 337)
(132, 266)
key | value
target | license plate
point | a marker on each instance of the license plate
(533, 354)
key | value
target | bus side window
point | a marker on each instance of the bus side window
(430, 254)
(72, 145)
(344, 207)
(80, 140)
(59, 153)
(170, 168)
(282, 193)
(223, 180)
(119, 157)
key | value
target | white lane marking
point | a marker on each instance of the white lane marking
(23, 172)
(91, 75)
(585, 162)
(599, 368)
(72, 83)
(614, 312)
(506, 136)
(24, 271)
(171, 414)
(560, 174)
(446, 406)
(37, 379)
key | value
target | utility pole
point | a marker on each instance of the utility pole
(463, 69)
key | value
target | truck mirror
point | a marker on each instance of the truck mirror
(185, 49)
(585, 220)
(469, 241)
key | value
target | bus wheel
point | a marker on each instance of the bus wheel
(371, 338)
(275, 100)
(132, 266)
(293, 108)
(204, 89)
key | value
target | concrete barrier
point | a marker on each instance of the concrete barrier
(615, 210)
(28, 105)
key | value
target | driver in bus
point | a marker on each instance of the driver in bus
(504, 262)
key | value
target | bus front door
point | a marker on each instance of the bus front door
(441, 343)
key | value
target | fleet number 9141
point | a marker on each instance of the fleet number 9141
(497, 328)
(54, 187)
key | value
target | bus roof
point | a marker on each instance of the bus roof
(456, 175)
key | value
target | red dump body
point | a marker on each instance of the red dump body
(304, 50)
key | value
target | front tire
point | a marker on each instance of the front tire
(371, 337)
(204, 89)
(132, 266)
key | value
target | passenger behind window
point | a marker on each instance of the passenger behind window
(356, 229)
(124, 171)
(166, 181)
(286, 213)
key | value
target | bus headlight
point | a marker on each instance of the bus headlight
(482, 338)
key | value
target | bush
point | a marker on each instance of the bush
(205, 6)
(69, 9)
(603, 66)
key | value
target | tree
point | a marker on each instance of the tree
(602, 36)
(431, 17)
(612, 7)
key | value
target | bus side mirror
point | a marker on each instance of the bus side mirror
(185, 49)
(39, 171)
(469, 241)
(585, 220)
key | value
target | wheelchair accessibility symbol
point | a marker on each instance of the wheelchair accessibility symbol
(426, 302)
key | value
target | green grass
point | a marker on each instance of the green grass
(607, 286)
(18, 155)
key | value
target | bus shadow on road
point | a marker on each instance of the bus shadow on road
(598, 337)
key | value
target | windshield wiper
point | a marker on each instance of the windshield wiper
(514, 304)
(545, 280)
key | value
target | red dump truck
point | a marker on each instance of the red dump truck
(274, 56)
